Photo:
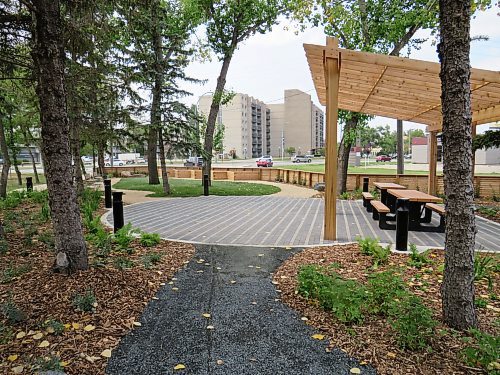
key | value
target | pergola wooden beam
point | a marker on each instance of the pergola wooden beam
(332, 73)
(388, 86)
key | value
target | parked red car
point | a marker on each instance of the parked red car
(265, 162)
(383, 158)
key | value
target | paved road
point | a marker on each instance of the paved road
(274, 221)
(253, 332)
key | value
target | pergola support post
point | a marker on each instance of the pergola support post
(332, 73)
(400, 148)
(432, 183)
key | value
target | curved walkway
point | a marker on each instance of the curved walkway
(248, 331)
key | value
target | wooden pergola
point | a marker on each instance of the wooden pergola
(388, 86)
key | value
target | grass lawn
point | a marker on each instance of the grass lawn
(370, 169)
(180, 187)
(12, 181)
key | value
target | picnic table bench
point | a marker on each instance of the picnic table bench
(417, 203)
(380, 212)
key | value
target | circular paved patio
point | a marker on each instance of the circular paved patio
(273, 221)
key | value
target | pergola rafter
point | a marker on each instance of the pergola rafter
(388, 86)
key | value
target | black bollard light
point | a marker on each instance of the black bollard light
(365, 184)
(402, 222)
(107, 194)
(205, 185)
(118, 220)
(29, 184)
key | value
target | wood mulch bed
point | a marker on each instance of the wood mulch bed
(374, 342)
(121, 296)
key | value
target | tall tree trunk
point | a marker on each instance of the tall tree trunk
(16, 168)
(75, 152)
(164, 174)
(101, 146)
(4, 177)
(48, 57)
(212, 116)
(156, 101)
(454, 49)
(26, 140)
(14, 150)
(28, 136)
(400, 152)
(343, 154)
(33, 164)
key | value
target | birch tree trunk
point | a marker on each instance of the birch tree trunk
(454, 48)
(48, 56)
(164, 173)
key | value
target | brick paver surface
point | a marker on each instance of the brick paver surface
(274, 221)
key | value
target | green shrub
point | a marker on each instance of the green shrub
(124, 236)
(11, 312)
(384, 290)
(123, 263)
(371, 246)
(44, 213)
(50, 363)
(413, 323)
(13, 199)
(151, 259)
(11, 272)
(91, 199)
(47, 238)
(488, 211)
(483, 350)
(55, 325)
(417, 260)
(367, 244)
(484, 267)
(480, 303)
(149, 239)
(103, 241)
(345, 195)
(29, 232)
(344, 298)
(85, 302)
(41, 196)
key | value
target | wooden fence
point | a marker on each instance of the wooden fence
(486, 186)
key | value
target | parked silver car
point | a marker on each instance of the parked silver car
(301, 159)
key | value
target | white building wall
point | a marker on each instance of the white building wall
(489, 156)
(419, 154)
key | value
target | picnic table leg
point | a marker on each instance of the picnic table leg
(415, 212)
(383, 196)
(427, 217)
(391, 202)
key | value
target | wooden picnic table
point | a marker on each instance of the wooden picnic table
(417, 201)
(384, 197)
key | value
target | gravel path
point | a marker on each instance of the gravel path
(253, 332)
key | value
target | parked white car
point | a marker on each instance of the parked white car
(87, 159)
(116, 162)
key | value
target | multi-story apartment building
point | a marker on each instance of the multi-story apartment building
(247, 125)
(253, 128)
(298, 121)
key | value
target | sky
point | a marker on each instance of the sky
(267, 64)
